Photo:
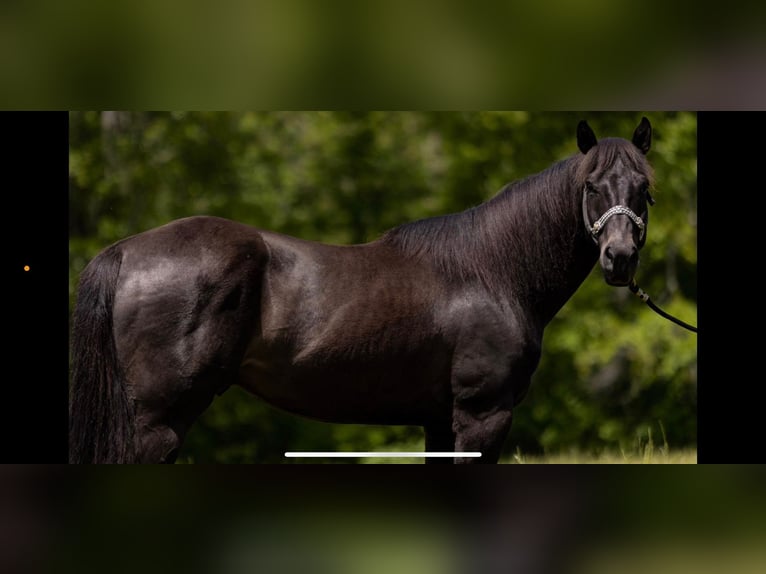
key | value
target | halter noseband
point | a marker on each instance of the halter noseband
(595, 230)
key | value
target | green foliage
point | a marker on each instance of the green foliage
(610, 369)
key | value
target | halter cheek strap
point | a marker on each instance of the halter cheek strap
(595, 230)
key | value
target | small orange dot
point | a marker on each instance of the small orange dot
(26, 267)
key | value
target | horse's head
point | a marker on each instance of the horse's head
(615, 178)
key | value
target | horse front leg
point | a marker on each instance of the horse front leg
(491, 372)
(481, 430)
(439, 438)
(485, 388)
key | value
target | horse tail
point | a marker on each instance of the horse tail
(101, 416)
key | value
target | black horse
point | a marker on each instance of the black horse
(438, 323)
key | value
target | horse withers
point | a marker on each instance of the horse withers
(438, 323)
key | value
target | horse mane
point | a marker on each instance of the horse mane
(537, 219)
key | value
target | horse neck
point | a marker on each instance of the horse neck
(536, 240)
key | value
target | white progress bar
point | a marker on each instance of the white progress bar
(382, 454)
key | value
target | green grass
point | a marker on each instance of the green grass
(644, 452)
(687, 456)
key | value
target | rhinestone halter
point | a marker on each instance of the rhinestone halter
(595, 230)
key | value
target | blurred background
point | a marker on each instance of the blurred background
(380, 520)
(297, 54)
(616, 382)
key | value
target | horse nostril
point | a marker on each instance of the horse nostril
(608, 253)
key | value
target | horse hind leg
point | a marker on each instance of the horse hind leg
(158, 443)
(174, 377)
(173, 389)
(169, 401)
(163, 407)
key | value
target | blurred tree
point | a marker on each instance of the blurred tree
(610, 368)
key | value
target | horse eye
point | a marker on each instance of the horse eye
(644, 188)
(590, 187)
(645, 191)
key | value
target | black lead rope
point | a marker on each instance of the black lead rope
(644, 296)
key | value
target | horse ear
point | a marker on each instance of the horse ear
(586, 139)
(642, 137)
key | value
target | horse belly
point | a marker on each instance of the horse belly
(347, 335)
(402, 390)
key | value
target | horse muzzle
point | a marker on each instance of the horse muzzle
(619, 262)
